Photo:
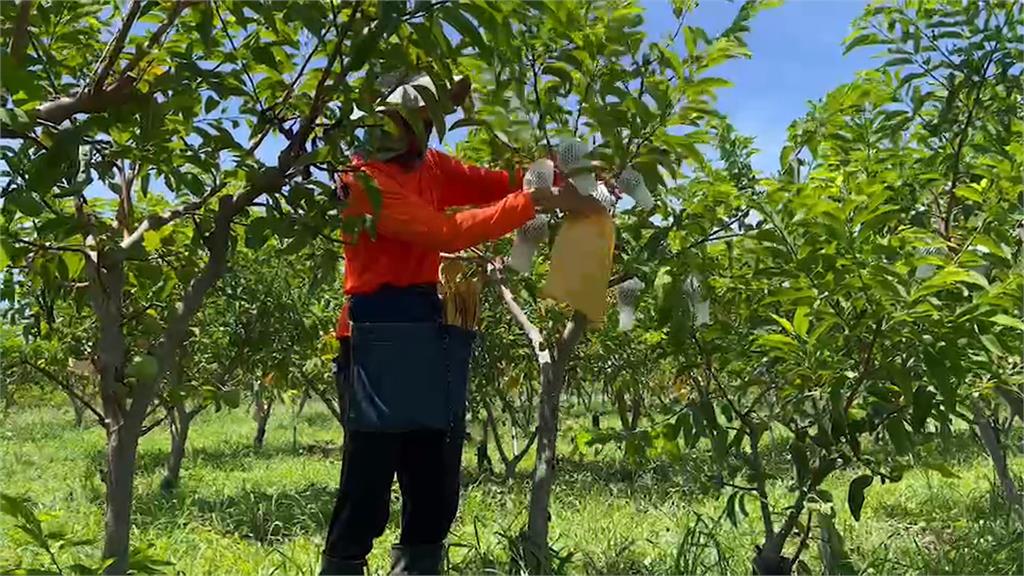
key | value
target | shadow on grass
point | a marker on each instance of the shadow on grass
(224, 457)
(262, 516)
(690, 475)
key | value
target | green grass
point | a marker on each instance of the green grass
(240, 511)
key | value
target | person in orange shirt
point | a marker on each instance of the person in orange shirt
(401, 374)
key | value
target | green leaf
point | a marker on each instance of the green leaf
(74, 261)
(15, 118)
(784, 323)
(942, 468)
(784, 345)
(436, 109)
(992, 344)
(924, 400)
(855, 496)
(898, 434)
(26, 203)
(730, 508)
(467, 123)
(317, 155)
(800, 321)
(232, 398)
(865, 39)
(949, 278)
(559, 70)
(464, 26)
(210, 104)
(1005, 320)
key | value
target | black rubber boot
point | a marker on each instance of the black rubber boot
(330, 566)
(419, 559)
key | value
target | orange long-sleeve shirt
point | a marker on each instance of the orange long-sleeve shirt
(411, 226)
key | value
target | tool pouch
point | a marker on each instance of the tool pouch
(407, 376)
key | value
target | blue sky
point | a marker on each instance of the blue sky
(797, 57)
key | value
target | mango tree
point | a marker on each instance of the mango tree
(43, 340)
(960, 92)
(850, 323)
(584, 70)
(180, 103)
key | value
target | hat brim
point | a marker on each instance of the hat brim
(408, 98)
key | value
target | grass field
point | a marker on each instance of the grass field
(239, 511)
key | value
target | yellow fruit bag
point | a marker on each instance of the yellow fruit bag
(581, 265)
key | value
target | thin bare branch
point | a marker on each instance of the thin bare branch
(156, 38)
(533, 334)
(574, 330)
(49, 247)
(152, 425)
(67, 388)
(157, 221)
(116, 46)
(298, 142)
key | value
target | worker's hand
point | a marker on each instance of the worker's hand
(568, 200)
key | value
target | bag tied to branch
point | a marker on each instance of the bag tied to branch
(581, 264)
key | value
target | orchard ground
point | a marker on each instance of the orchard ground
(241, 511)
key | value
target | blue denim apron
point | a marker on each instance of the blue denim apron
(406, 370)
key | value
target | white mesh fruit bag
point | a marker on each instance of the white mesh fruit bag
(572, 156)
(540, 174)
(627, 294)
(632, 184)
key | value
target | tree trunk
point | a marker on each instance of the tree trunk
(262, 414)
(552, 382)
(122, 448)
(106, 284)
(181, 423)
(622, 409)
(79, 410)
(636, 409)
(484, 465)
(990, 439)
(333, 406)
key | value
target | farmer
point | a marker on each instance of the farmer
(396, 365)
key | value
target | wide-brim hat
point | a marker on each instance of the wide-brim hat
(410, 96)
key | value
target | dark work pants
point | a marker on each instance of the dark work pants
(427, 462)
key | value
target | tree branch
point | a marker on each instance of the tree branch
(266, 182)
(70, 391)
(86, 101)
(495, 432)
(50, 247)
(152, 425)
(157, 221)
(116, 46)
(803, 539)
(574, 330)
(19, 38)
(157, 37)
(298, 143)
(954, 179)
(532, 333)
